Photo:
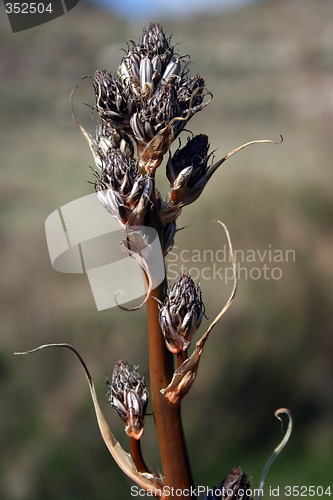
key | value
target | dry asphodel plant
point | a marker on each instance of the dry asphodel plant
(142, 109)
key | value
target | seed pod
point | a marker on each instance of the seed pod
(107, 138)
(157, 65)
(187, 171)
(111, 98)
(128, 395)
(154, 43)
(181, 313)
(122, 190)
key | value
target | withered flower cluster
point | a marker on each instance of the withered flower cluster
(142, 109)
(128, 395)
(181, 313)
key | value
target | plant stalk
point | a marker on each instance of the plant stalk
(169, 428)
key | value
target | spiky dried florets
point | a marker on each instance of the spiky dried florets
(154, 42)
(181, 313)
(128, 395)
(151, 96)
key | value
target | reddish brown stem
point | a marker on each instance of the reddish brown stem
(181, 357)
(170, 434)
(136, 454)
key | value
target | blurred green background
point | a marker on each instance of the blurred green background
(270, 68)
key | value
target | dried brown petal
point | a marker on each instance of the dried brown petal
(187, 171)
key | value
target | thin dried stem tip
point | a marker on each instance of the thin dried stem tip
(151, 482)
(151, 97)
(184, 376)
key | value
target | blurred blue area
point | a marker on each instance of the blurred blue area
(172, 8)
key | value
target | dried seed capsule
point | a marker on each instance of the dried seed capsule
(138, 129)
(187, 171)
(134, 59)
(168, 236)
(107, 138)
(181, 313)
(151, 98)
(111, 98)
(154, 42)
(122, 190)
(128, 395)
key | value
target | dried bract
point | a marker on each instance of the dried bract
(187, 171)
(112, 101)
(151, 97)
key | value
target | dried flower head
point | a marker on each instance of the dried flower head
(181, 313)
(151, 97)
(122, 190)
(234, 487)
(128, 395)
(187, 171)
(108, 138)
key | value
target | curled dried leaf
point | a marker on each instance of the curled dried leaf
(151, 482)
(85, 134)
(278, 449)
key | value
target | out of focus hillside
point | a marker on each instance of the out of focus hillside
(270, 69)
